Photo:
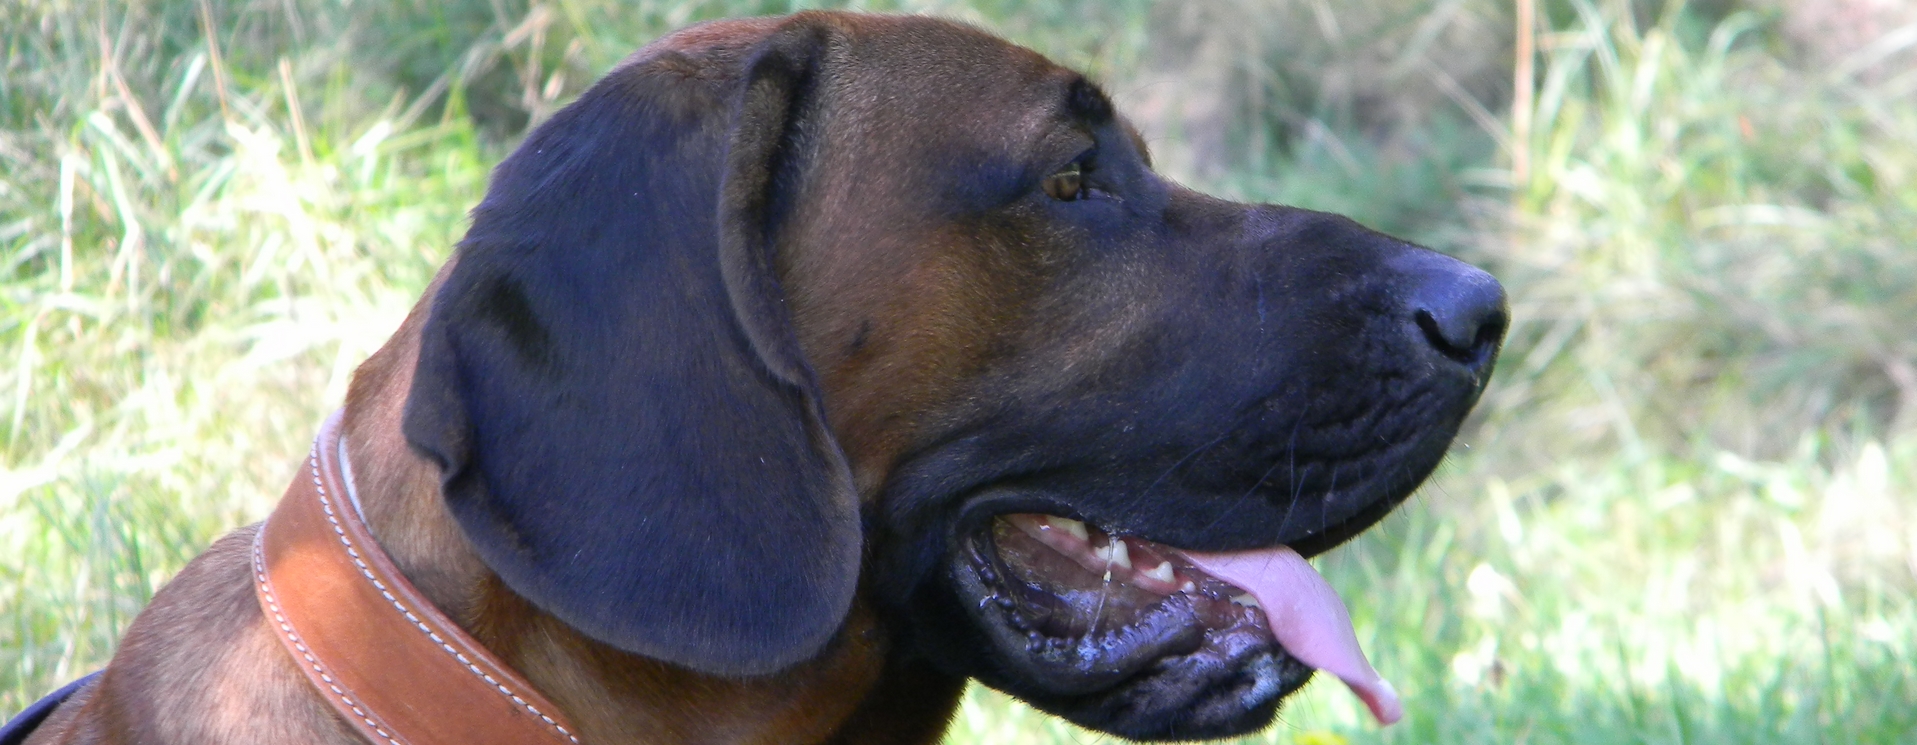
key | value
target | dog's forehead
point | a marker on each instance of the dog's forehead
(957, 77)
(893, 66)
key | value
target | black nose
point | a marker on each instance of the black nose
(1459, 309)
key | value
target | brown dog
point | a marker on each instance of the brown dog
(807, 367)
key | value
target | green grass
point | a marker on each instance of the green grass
(1688, 508)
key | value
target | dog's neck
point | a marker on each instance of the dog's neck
(395, 488)
(612, 696)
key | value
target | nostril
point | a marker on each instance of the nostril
(1460, 310)
(1465, 323)
(1452, 347)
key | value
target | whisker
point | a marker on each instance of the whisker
(1181, 461)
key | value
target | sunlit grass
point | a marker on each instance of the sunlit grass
(1712, 248)
(192, 275)
(1686, 514)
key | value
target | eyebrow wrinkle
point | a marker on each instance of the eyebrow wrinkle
(1086, 102)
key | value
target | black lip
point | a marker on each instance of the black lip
(1165, 675)
(1351, 527)
(1077, 664)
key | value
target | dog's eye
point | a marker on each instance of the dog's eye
(1067, 185)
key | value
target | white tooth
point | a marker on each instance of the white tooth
(1162, 572)
(1108, 576)
(1188, 587)
(1246, 600)
(1120, 555)
(1104, 553)
(1074, 527)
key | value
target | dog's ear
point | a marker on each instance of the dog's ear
(611, 385)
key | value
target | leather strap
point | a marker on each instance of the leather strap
(390, 663)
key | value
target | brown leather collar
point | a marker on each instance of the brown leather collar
(390, 663)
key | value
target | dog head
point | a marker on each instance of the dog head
(783, 311)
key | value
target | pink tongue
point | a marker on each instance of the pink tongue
(1307, 618)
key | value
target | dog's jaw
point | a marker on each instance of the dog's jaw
(1147, 640)
(1120, 634)
(1303, 614)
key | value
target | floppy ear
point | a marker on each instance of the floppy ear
(628, 431)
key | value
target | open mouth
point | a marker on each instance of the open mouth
(1110, 608)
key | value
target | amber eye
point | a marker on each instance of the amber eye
(1067, 185)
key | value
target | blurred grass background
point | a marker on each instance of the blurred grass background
(1685, 512)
